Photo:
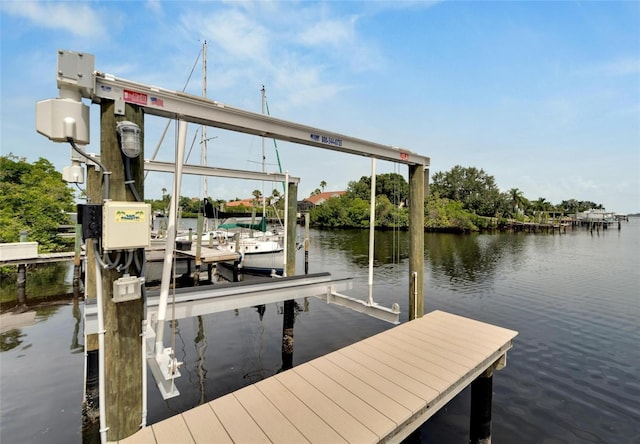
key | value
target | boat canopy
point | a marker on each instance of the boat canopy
(260, 226)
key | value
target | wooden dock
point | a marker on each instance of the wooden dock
(42, 258)
(380, 389)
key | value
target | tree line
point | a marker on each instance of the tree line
(34, 198)
(461, 199)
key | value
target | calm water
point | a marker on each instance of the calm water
(572, 376)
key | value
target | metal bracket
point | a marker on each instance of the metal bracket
(375, 310)
(164, 366)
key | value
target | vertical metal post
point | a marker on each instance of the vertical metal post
(372, 227)
(171, 237)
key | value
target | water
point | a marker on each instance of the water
(572, 376)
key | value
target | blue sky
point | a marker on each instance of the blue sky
(544, 96)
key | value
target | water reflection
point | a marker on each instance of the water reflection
(42, 282)
(14, 320)
(391, 247)
(465, 260)
(11, 339)
(461, 260)
(76, 346)
(201, 351)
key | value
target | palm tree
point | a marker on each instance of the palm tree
(517, 200)
(541, 205)
(323, 184)
(256, 194)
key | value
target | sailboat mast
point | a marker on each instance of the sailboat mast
(205, 191)
(264, 200)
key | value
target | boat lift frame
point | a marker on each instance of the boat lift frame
(77, 78)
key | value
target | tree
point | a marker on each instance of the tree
(392, 185)
(323, 184)
(517, 199)
(475, 189)
(33, 197)
(257, 194)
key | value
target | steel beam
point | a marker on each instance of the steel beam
(201, 170)
(194, 109)
(224, 297)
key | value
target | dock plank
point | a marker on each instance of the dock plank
(359, 409)
(144, 436)
(237, 422)
(310, 425)
(423, 384)
(330, 412)
(205, 426)
(172, 430)
(387, 386)
(439, 377)
(364, 390)
(273, 423)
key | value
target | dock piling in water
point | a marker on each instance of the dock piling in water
(480, 414)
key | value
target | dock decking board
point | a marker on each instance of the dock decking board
(376, 390)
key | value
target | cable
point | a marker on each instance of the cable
(127, 264)
(86, 156)
(129, 181)
(105, 174)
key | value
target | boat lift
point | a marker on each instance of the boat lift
(67, 119)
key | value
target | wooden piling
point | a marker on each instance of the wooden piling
(288, 318)
(22, 285)
(77, 263)
(90, 408)
(123, 320)
(480, 414)
(306, 243)
(418, 188)
(198, 260)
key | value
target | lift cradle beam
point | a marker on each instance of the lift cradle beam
(209, 299)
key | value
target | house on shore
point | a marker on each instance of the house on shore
(317, 199)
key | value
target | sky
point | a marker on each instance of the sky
(543, 95)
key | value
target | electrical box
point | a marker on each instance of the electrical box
(90, 217)
(73, 174)
(127, 288)
(126, 225)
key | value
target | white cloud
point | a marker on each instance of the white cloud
(237, 34)
(154, 6)
(622, 67)
(333, 31)
(77, 18)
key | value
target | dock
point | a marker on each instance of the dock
(42, 258)
(380, 389)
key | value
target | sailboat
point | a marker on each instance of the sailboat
(261, 248)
